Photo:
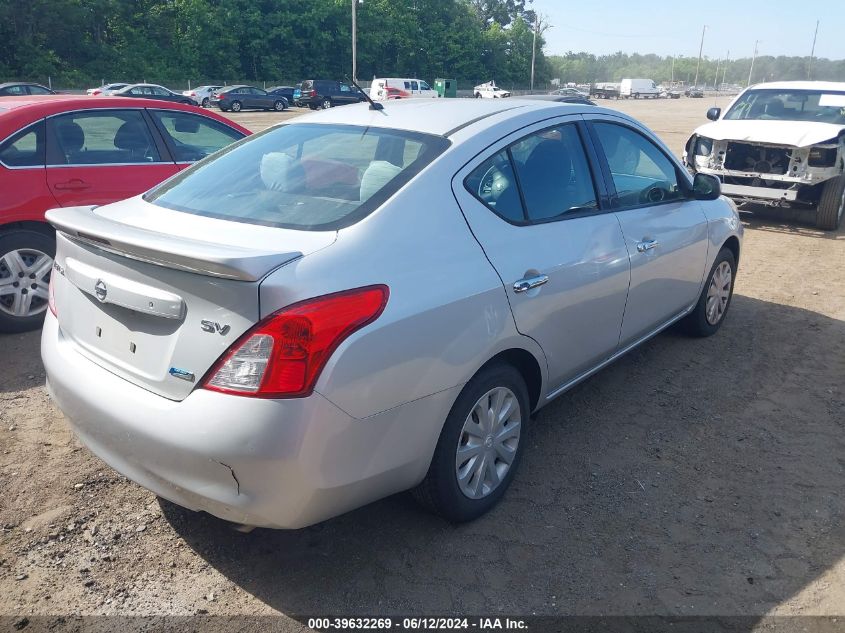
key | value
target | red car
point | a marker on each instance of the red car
(58, 151)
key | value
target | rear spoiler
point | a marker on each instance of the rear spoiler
(81, 224)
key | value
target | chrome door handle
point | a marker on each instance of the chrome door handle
(530, 282)
(646, 245)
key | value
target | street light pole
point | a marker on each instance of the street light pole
(751, 70)
(354, 40)
(534, 49)
(700, 49)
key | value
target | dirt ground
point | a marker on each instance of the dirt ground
(692, 477)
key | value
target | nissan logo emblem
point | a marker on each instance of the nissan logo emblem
(100, 290)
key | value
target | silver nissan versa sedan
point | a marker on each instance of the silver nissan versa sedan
(364, 301)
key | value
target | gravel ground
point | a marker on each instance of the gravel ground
(692, 477)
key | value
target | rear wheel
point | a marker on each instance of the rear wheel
(479, 447)
(715, 299)
(26, 260)
(832, 204)
(236, 106)
(326, 104)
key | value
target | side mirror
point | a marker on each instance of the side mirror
(713, 114)
(706, 187)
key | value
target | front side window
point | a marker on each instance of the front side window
(193, 137)
(109, 137)
(302, 176)
(344, 88)
(642, 174)
(424, 86)
(38, 90)
(546, 171)
(26, 148)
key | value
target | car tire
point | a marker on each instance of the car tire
(326, 103)
(279, 106)
(205, 102)
(712, 306)
(442, 492)
(187, 102)
(478, 95)
(236, 106)
(30, 247)
(831, 204)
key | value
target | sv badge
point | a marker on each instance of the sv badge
(213, 326)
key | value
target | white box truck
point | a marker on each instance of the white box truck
(639, 88)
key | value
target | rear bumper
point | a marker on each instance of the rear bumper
(268, 463)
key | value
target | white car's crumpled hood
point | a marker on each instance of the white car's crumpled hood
(794, 133)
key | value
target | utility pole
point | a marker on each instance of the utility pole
(725, 70)
(716, 81)
(534, 48)
(751, 70)
(355, 40)
(700, 49)
(813, 51)
(672, 81)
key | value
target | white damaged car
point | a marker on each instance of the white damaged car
(778, 144)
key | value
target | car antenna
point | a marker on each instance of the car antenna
(373, 104)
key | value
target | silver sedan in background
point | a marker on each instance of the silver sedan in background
(361, 302)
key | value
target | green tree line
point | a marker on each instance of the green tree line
(588, 68)
(77, 42)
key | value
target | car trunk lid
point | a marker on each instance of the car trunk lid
(157, 296)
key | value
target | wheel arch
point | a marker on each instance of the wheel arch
(28, 225)
(732, 244)
(526, 364)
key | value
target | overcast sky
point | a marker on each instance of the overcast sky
(673, 27)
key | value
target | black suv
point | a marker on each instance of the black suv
(325, 93)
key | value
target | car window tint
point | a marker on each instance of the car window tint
(302, 176)
(344, 88)
(424, 86)
(194, 137)
(642, 174)
(407, 85)
(553, 173)
(415, 85)
(26, 148)
(161, 92)
(102, 138)
(14, 90)
(38, 90)
(494, 183)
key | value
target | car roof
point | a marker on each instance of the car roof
(438, 116)
(801, 85)
(16, 112)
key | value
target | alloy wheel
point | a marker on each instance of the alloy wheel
(24, 282)
(718, 293)
(488, 443)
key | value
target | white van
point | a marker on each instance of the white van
(400, 88)
(637, 88)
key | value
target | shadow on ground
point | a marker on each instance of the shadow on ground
(693, 477)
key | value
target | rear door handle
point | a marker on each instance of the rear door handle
(530, 282)
(646, 245)
(72, 185)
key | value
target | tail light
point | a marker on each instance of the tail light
(193, 94)
(95, 93)
(312, 93)
(51, 297)
(283, 355)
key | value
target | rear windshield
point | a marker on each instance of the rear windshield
(301, 176)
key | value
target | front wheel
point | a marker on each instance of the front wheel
(479, 447)
(715, 299)
(832, 204)
(26, 260)
(279, 106)
(236, 106)
(205, 102)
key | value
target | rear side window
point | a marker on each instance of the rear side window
(302, 176)
(541, 177)
(108, 137)
(192, 137)
(26, 148)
